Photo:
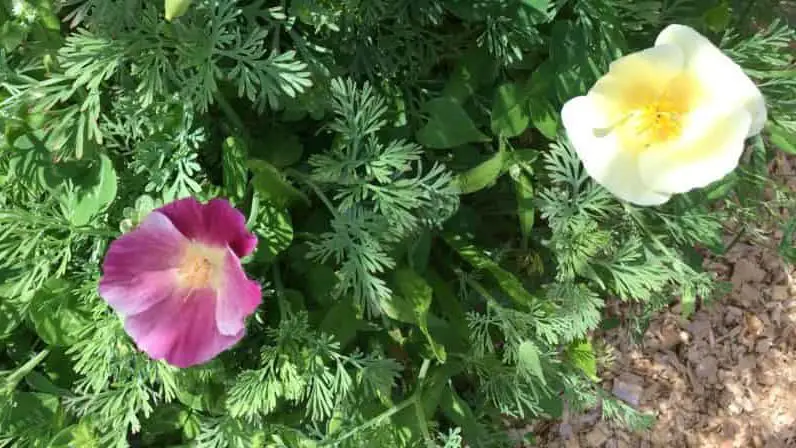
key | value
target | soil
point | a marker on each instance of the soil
(724, 378)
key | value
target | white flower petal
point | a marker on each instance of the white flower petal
(636, 79)
(723, 78)
(708, 150)
(606, 161)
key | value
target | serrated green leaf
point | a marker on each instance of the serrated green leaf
(510, 115)
(581, 354)
(482, 175)
(528, 360)
(56, 313)
(448, 126)
(234, 155)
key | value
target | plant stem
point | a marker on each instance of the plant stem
(315, 188)
(231, 115)
(17, 375)
(375, 420)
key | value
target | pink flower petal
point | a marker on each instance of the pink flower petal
(216, 223)
(238, 297)
(140, 267)
(181, 330)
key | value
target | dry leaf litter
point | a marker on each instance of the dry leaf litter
(724, 378)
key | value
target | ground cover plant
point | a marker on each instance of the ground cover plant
(431, 253)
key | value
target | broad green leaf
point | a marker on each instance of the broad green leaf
(787, 246)
(234, 155)
(482, 175)
(271, 184)
(321, 280)
(448, 125)
(419, 251)
(34, 410)
(273, 228)
(106, 191)
(722, 187)
(165, 419)
(56, 313)
(81, 203)
(410, 304)
(528, 360)
(12, 34)
(407, 428)
(526, 212)
(718, 17)
(544, 117)
(280, 147)
(191, 424)
(581, 354)
(40, 383)
(460, 413)
(448, 302)
(10, 317)
(79, 435)
(485, 174)
(552, 404)
(539, 5)
(510, 115)
(781, 138)
(475, 69)
(341, 321)
(176, 8)
(436, 383)
(687, 301)
(506, 280)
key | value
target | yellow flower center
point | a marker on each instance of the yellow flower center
(658, 122)
(650, 114)
(198, 268)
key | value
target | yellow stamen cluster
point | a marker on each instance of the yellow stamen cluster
(198, 267)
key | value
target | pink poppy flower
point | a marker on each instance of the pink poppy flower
(178, 281)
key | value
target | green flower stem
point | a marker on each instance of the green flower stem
(375, 421)
(232, 116)
(298, 175)
(14, 378)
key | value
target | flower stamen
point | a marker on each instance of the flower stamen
(197, 269)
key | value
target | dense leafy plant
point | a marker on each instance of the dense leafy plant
(433, 255)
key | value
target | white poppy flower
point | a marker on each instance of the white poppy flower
(665, 120)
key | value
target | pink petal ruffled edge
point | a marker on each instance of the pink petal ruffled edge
(182, 330)
(140, 268)
(237, 298)
(216, 223)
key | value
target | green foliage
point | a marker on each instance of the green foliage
(433, 255)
